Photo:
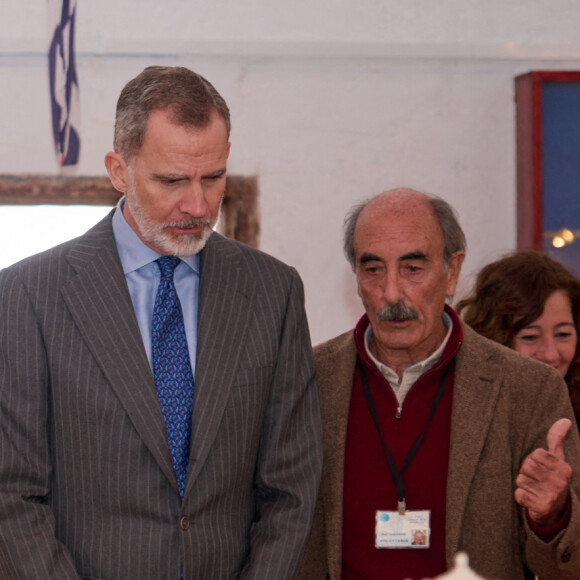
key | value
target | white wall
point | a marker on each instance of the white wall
(331, 102)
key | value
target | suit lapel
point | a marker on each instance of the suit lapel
(225, 293)
(475, 393)
(99, 301)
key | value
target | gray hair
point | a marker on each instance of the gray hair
(453, 236)
(188, 97)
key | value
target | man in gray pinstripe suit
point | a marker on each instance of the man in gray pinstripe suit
(87, 485)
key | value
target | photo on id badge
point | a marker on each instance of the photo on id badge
(419, 537)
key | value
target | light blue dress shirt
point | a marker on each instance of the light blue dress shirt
(143, 275)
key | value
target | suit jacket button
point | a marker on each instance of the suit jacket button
(566, 555)
(184, 523)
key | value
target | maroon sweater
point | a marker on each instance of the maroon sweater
(368, 483)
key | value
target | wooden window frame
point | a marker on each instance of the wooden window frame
(529, 151)
(239, 219)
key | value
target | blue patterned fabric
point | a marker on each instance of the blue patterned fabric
(172, 368)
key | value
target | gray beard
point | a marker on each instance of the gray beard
(156, 234)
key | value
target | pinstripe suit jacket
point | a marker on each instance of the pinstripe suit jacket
(87, 487)
(503, 405)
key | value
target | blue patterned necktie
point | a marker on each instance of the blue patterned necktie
(172, 368)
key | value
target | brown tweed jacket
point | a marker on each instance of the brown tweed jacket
(503, 405)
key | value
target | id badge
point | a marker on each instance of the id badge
(411, 530)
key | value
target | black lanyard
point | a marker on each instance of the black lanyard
(397, 477)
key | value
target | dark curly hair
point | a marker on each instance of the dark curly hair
(510, 294)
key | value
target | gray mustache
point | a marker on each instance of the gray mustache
(397, 312)
(189, 223)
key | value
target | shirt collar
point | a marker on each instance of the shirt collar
(134, 253)
(418, 368)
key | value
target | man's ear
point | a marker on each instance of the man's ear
(453, 270)
(118, 171)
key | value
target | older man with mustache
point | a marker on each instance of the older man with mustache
(427, 425)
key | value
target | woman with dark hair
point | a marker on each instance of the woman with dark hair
(530, 303)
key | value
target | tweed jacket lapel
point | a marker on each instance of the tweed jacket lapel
(99, 301)
(225, 294)
(475, 393)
